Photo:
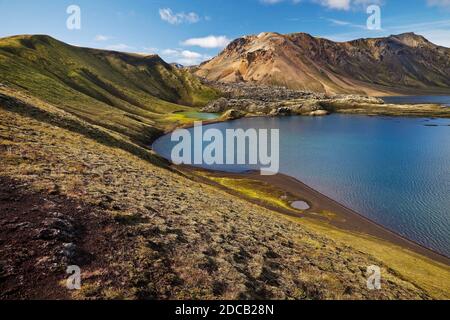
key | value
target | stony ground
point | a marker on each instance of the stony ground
(141, 231)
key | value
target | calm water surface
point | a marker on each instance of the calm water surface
(395, 171)
(444, 100)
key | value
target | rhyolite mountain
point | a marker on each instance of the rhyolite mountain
(405, 63)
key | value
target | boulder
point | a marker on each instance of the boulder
(216, 106)
(319, 113)
(232, 115)
(283, 111)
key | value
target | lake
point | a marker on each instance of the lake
(395, 171)
(444, 100)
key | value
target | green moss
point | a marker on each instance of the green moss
(257, 190)
(425, 273)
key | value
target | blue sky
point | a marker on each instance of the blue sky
(189, 31)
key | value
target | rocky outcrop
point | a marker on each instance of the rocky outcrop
(279, 101)
(232, 115)
(319, 113)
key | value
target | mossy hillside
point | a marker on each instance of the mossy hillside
(256, 190)
(171, 237)
(423, 272)
(183, 239)
(127, 93)
(419, 270)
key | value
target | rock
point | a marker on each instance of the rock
(106, 202)
(232, 115)
(59, 224)
(355, 99)
(319, 113)
(280, 101)
(48, 234)
(217, 106)
(283, 111)
(23, 225)
(69, 250)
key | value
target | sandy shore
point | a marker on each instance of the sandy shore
(345, 219)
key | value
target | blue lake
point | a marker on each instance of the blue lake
(395, 171)
(444, 100)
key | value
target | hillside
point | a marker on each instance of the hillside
(396, 64)
(127, 93)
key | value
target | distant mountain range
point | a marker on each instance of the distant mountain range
(405, 63)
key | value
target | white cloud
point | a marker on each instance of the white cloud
(184, 57)
(120, 47)
(439, 3)
(101, 37)
(148, 51)
(346, 24)
(346, 4)
(440, 37)
(334, 4)
(169, 16)
(151, 50)
(208, 42)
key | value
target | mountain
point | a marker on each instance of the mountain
(128, 93)
(79, 187)
(396, 64)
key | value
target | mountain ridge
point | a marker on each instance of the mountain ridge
(376, 66)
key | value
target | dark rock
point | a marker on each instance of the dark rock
(59, 224)
(69, 250)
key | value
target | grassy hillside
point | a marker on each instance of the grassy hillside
(75, 193)
(77, 187)
(127, 93)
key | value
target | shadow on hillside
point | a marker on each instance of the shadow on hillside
(18, 106)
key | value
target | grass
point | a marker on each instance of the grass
(257, 190)
(180, 239)
(74, 120)
(126, 93)
(423, 272)
(422, 110)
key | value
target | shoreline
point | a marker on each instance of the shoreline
(348, 219)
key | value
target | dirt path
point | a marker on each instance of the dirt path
(42, 234)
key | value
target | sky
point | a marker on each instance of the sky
(191, 31)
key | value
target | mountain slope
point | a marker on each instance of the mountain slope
(73, 194)
(125, 92)
(396, 64)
